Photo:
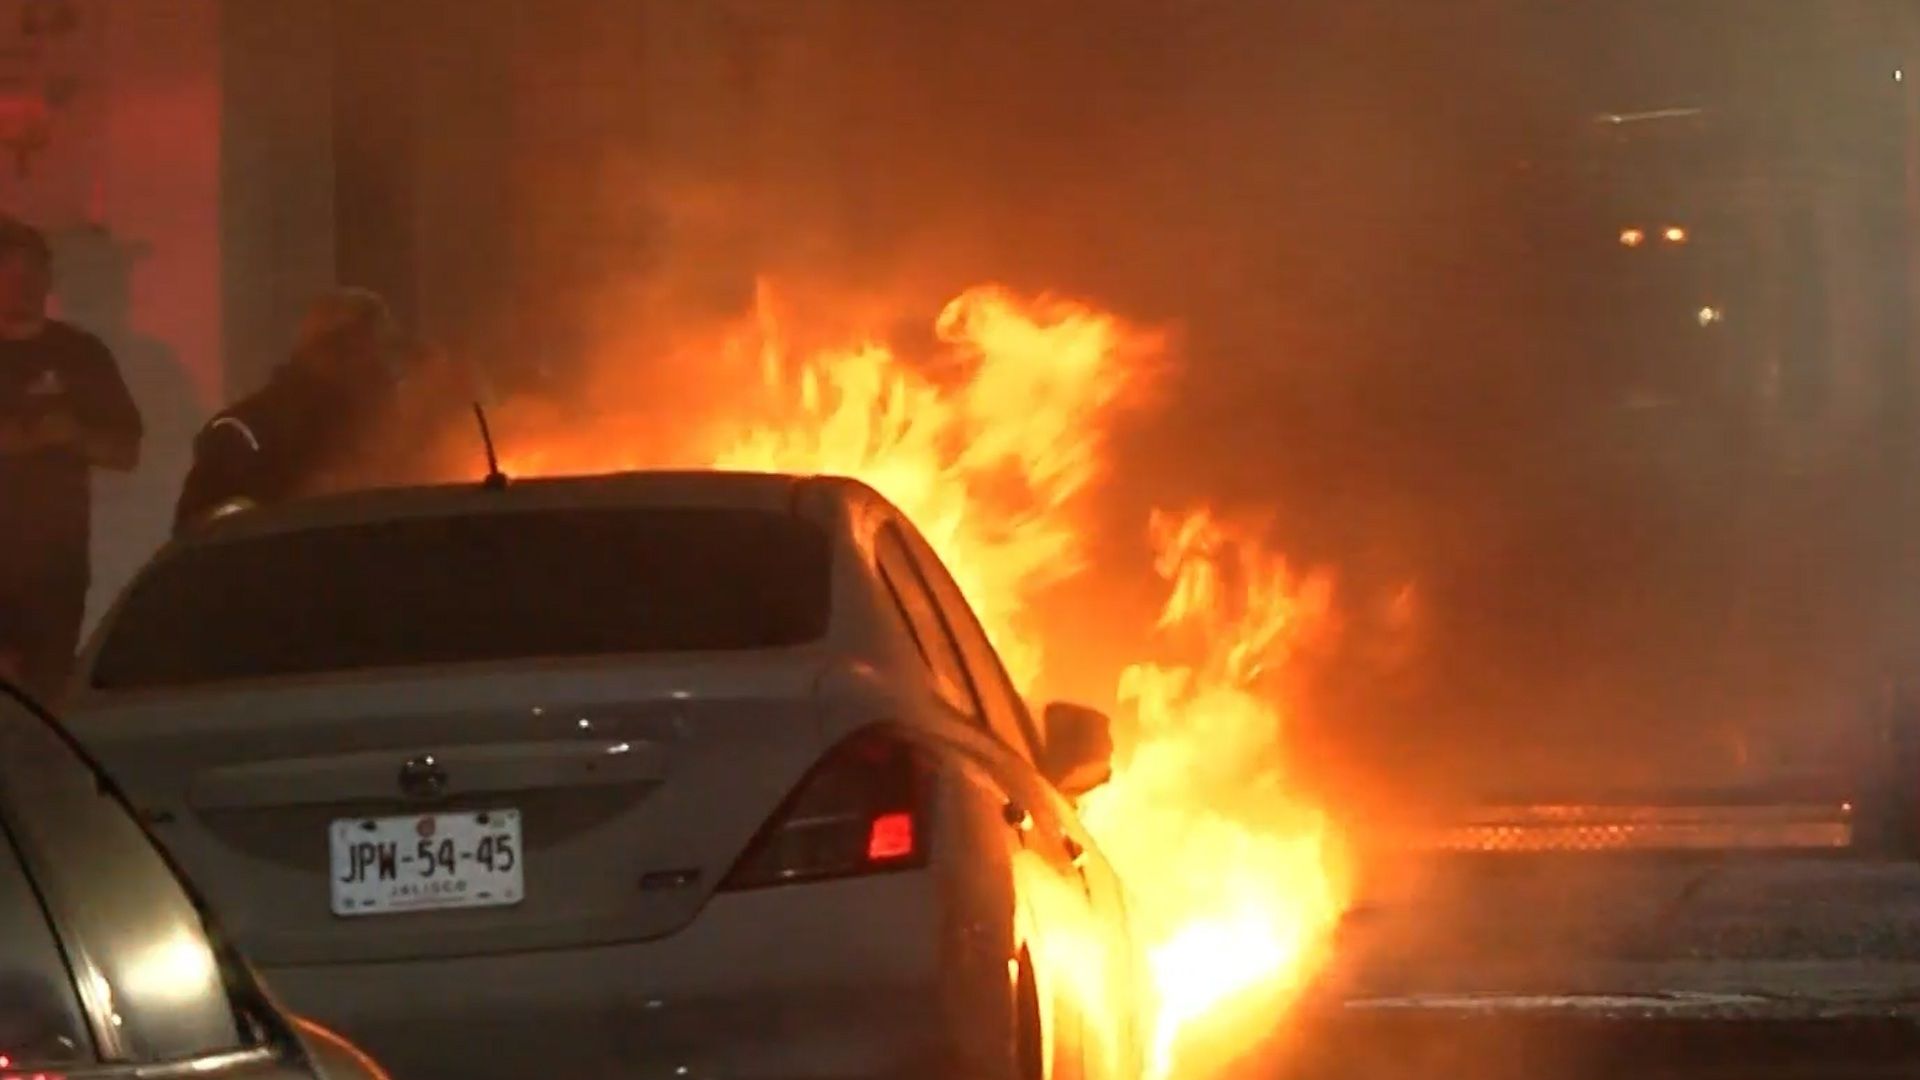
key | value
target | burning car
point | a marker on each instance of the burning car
(675, 773)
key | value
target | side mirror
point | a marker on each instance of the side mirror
(1078, 755)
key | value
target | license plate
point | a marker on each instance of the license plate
(426, 862)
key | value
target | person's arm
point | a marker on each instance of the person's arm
(226, 466)
(107, 428)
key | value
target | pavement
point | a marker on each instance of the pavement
(1619, 967)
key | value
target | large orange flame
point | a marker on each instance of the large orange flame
(988, 464)
(993, 445)
(1234, 878)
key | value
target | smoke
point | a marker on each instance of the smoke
(1382, 235)
(1579, 537)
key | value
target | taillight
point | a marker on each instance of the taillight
(862, 810)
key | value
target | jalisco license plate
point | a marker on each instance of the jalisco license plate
(425, 862)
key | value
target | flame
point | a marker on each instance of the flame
(992, 444)
(987, 466)
(1236, 878)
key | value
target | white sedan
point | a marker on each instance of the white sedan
(677, 774)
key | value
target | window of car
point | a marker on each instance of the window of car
(41, 1024)
(495, 586)
(922, 617)
(1000, 702)
(122, 922)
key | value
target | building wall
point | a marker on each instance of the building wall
(277, 178)
(111, 114)
(463, 99)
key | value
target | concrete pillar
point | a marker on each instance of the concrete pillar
(464, 291)
(375, 82)
(277, 179)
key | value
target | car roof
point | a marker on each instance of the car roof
(677, 488)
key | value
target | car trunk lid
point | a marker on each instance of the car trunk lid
(632, 785)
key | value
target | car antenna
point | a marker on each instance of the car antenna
(496, 480)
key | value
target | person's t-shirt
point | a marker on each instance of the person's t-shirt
(45, 502)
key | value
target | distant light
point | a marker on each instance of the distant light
(1632, 237)
(1674, 234)
(1709, 315)
(1899, 75)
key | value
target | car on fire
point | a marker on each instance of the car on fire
(674, 773)
(110, 965)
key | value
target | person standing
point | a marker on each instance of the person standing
(318, 411)
(64, 411)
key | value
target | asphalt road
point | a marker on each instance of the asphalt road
(1730, 968)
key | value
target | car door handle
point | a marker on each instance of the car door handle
(1016, 815)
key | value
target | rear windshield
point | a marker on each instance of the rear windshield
(482, 587)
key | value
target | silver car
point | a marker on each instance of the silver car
(109, 965)
(675, 774)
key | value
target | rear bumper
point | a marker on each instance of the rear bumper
(840, 979)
